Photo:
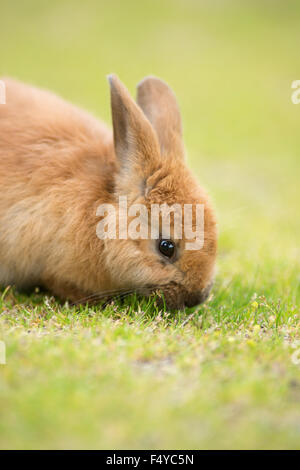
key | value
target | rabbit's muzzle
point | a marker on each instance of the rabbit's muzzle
(177, 297)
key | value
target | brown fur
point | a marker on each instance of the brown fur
(58, 164)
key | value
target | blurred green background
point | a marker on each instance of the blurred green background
(231, 65)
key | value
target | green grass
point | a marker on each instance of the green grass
(222, 375)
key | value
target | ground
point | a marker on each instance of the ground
(222, 375)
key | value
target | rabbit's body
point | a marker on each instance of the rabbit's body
(57, 165)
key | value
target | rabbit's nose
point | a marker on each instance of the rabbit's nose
(196, 298)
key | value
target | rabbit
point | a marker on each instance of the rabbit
(59, 163)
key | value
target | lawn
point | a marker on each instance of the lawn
(225, 374)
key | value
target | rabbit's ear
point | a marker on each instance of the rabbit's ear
(159, 104)
(135, 140)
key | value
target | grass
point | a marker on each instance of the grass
(222, 375)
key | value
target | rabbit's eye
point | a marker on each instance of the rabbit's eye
(166, 247)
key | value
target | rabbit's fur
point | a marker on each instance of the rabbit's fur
(58, 164)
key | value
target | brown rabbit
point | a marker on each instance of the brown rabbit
(58, 164)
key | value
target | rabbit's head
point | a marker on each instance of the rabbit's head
(152, 172)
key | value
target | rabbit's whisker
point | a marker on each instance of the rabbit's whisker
(113, 294)
(99, 295)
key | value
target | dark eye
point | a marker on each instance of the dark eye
(167, 248)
